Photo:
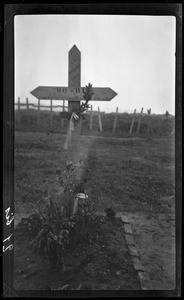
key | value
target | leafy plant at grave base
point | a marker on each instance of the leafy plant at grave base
(55, 230)
(55, 234)
(50, 236)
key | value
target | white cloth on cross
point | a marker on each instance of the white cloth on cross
(67, 143)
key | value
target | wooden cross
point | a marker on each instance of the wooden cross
(74, 94)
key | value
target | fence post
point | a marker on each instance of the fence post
(28, 116)
(51, 113)
(100, 121)
(115, 120)
(149, 122)
(132, 123)
(139, 124)
(18, 115)
(62, 120)
(91, 118)
(38, 120)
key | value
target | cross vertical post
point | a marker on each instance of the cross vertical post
(74, 75)
(74, 82)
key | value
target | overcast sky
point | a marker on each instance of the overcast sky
(133, 55)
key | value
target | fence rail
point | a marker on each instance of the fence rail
(34, 105)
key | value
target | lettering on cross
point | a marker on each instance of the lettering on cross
(74, 77)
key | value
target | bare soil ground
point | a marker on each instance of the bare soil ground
(132, 176)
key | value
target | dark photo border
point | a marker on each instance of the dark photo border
(8, 12)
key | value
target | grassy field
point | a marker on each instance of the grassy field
(124, 173)
(129, 174)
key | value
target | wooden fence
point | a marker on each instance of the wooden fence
(27, 105)
(135, 116)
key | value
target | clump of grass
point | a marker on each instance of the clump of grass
(55, 233)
